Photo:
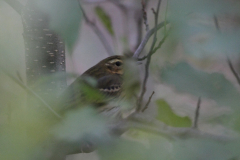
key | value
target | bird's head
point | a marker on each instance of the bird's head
(114, 64)
(109, 66)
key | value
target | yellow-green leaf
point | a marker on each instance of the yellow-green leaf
(105, 19)
(166, 115)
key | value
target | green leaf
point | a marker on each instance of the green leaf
(120, 149)
(65, 18)
(205, 149)
(91, 93)
(14, 144)
(201, 84)
(80, 123)
(166, 115)
(193, 25)
(105, 19)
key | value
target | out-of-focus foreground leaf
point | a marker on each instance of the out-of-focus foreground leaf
(105, 19)
(190, 149)
(166, 115)
(129, 150)
(131, 83)
(201, 84)
(81, 123)
(65, 18)
(195, 28)
(15, 144)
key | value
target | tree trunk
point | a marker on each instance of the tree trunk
(45, 52)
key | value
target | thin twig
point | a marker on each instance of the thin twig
(195, 124)
(228, 59)
(97, 31)
(16, 5)
(233, 70)
(30, 91)
(174, 133)
(156, 48)
(139, 21)
(161, 42)
(139, 102)
(144, 13)
(216, 22)
(146, 38)
(149, 100)
(151, 125)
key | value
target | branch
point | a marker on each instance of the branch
(195, 124)
(16, 5)
(146, 38)
(144, 13)
(233, 70)
(176, 133)
(97, 32)
(216, 22)
(156, 48)
(228, 59)
(149, 100)
(138, 121)
(29, 91)
(139, 102)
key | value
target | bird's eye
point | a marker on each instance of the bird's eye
(118, 63)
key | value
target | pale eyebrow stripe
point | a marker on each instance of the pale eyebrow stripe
(115, 60)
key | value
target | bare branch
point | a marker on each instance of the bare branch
(139, 102)
(233, 70)
(149, 100)
(146, 123)
(139, 21)
(144, 13)
(156, 48)
(154, 12)
(146, 38)
(30, 91)
(195, 123)
(97, 32)
(228, 59)
(16, 5)
(216, 22)
(176, 133)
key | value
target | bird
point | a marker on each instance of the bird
(108, 78)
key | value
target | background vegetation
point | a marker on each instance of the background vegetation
(189, 68)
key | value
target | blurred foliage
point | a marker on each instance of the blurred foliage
(193, 23)
(105, 19)
(28, 131)
(131, 78)
(65, 18)
(205, 149)
(89, 90)
(166, 115)
(131, 150)
(201, 84)
(81, 123)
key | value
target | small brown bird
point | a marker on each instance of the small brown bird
(108, 75)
